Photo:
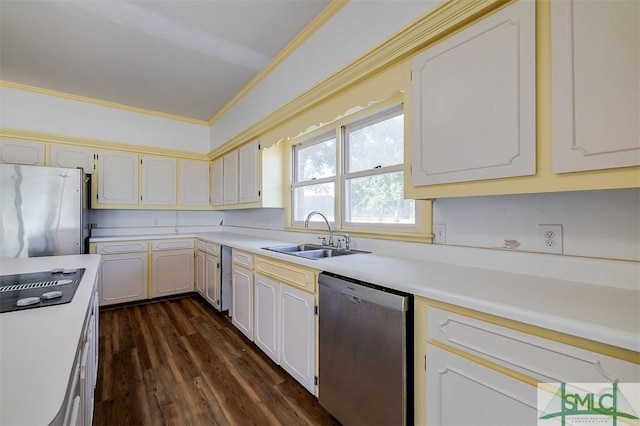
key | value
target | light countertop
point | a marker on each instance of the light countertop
(38, 346)
(600, 313)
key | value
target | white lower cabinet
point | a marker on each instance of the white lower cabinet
(297, 330)
(242, 300)
(172, 272)
(171, 267)
(212, 280)
(463, 392)
(200, 272)
(123, 277)
(80, 393)
(484, 370)
(267, 316)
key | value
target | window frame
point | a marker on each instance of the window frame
(295, 184)
(337, 131)
(345, 175)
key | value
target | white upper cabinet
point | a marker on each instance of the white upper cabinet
(249, 172)
(117, 178)
(596, 84)
(194, 183)
(71, 157)
(230, 179)
(217, 182)
(473, 113)
(20, 152)
(158, 180)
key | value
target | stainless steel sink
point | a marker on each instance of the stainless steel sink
(312, 251)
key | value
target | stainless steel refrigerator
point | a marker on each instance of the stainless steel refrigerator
(43, 211)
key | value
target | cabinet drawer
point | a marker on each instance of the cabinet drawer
(122, 247)
(542, 359)
(172, 244)
(201, 245)
(213, 249)
(243, 259)
(288, 273)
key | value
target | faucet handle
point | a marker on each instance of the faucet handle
(324, 240)
(347, 241)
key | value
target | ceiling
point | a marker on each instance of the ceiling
(180, 57)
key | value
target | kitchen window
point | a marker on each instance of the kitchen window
(354, 175)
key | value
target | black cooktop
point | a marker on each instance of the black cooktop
(38, 289)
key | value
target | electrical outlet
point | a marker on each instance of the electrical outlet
(439, 234)
(550, 238)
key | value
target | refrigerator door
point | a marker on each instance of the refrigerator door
(40, 211)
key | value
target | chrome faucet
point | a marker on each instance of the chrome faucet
(306, 225)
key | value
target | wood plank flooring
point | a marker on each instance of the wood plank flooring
(179, 362)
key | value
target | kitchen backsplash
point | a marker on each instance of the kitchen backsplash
(604, 224)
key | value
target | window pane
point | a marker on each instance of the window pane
(314, 197)
(316, 161)
(381, 144)
(378, 199)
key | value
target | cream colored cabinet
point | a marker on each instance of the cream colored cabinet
(79, 400)
(194, 183)
(230, 178)
(117, 178)
(474, 101)
(158, 180)
(463, 392)
(285, 320)
(596, 84)
(212, 276)
(217, 182)
(298, 335)
(267, 316)
(249, 172)
(481, 362)
(242, 292)
(123, 271)
(72, 157)
(21, 152)
(171, 267)
(200, 271)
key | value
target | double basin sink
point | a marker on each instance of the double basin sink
(313, 251)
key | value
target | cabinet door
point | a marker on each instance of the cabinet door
(123, 278)
(596, 84)
(474, 113)
(297, 331)
(212, 280)
(71, 157)
(249, 172)
(217, 182)
(230, 180)
(117, 178)
(20, 152)
(242, 300)
(158, 180)
(200, 272)
(172, 272)
(267, 316)
(194, 183)
(462, 392)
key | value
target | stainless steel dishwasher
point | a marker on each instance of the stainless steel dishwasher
(365, 375)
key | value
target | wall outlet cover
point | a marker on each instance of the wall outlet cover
(550, 238)
(439, 234)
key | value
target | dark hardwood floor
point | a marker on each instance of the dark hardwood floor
(180, 362)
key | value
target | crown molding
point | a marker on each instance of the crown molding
(69, 96)
(440, 22)
(28, 135)
(324, 16)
